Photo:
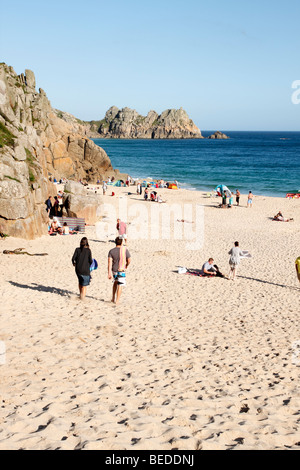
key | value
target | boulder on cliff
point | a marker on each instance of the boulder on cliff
(79, 203)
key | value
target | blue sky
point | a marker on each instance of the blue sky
(230, 64)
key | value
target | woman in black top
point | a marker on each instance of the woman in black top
(82, 260)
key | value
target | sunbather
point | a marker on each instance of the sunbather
(279, 217)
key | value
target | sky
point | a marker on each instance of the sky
(230, 65)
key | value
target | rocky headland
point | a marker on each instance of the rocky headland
(127, 123)
(36, 143)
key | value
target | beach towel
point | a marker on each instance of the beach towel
(122, 262)
(245, 254)
(193, 272)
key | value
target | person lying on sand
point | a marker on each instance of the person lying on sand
(279, 217)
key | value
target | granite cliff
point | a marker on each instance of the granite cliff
(126, 123)
(36, 143)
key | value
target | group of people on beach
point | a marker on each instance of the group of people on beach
(54, 205)
(211, 269)
(237, 195)
(55, 228)
(119, 259)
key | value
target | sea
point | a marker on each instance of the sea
(266, 163)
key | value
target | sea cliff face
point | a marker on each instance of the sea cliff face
(34, 144)
(126, 123)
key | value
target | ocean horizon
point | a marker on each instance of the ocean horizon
(267, 163)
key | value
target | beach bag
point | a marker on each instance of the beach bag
(182, 270)
(94, 265)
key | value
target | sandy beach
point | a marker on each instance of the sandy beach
(184, 362)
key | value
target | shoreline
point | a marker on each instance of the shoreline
(192, 190)
(249, 161)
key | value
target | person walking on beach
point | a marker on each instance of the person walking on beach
(119, 259)
(82, 260)
(104, 187)
(237, 195)
(250, 199)
(122, 229)
(234, 260)
(297, 264)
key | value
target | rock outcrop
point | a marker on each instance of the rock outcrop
(218, 135)
(126, 123)
(78, 202)
(36, 143)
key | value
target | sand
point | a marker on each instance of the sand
(184, 362)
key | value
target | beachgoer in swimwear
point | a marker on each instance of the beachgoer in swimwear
(55, 227)
(279, 217)
(250, 199)
(119, 259)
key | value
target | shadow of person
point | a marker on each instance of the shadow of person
(49, 289)
(269, 282)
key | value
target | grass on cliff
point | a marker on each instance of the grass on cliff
(31, 162)
(6, 137)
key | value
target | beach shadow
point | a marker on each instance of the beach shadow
(51, 290)
(269, 282)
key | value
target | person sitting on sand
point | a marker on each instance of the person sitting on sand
(279, 217)
(211, 269)
(55, 227)
(65, 229)
(160, 199)
(153, 196)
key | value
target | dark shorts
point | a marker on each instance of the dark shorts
(83, 280)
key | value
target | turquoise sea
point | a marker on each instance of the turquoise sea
(267, 163)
